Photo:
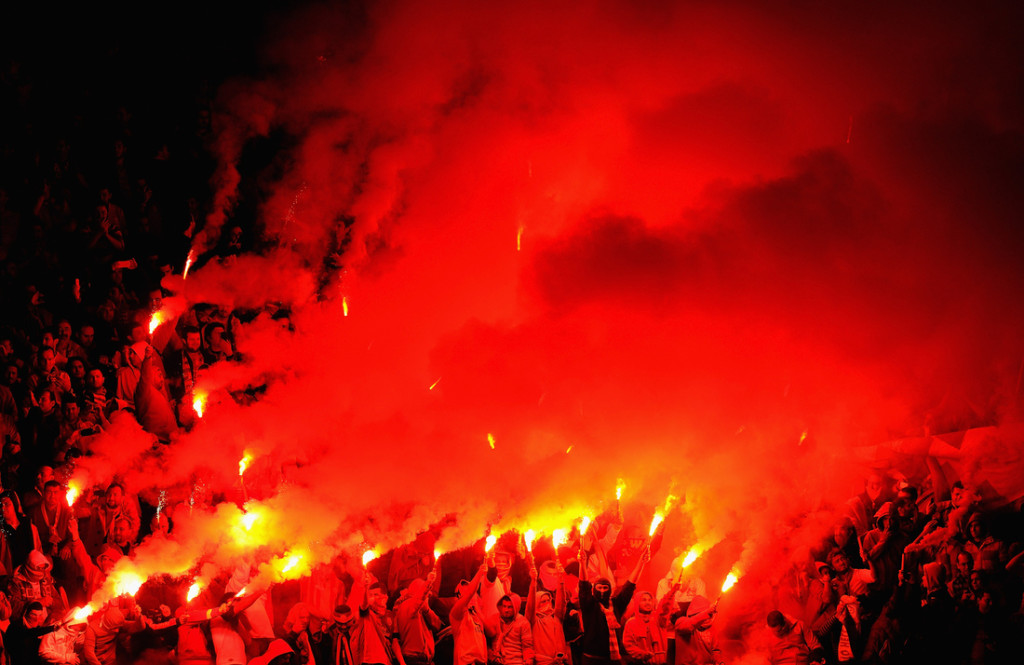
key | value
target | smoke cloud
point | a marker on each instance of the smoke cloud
(713, 247)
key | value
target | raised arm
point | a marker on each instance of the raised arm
(531, 600)
(459, 608)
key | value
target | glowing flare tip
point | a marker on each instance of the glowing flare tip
(655, 523)
(344, 305)
(127, 584)
(248, 519)
(437, 554)
(489, 543)
(155, 321)
(619, 486)
(241, 592)
(529, 537)
(519, 238)
(691, 556)
(730, 580)
(198, 404)
(292, 561)
(244, 463)
(83, 613)
(559, 537)
(490, 440)
(193, 591)
(72, 494)
(188, 264)
(368, 556)
(584, 524)
(434, 384)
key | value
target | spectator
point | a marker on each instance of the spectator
(512, 642)
(64, 646)
(23, 638)
(792, 643)
(643, 637)
(545, 613)
(602, 614)
(414, 621)
(467, 624)
(695, 644)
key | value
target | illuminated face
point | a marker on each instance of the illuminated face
(976, 582)
(976, 530)
(49, 341)
(86, 336)
(121, 531)
(193, 341)
(503, 562)
(35, 618)
(376, 599)
(963, 564)
(49, 358)
(51, 496)
(76, 368)
(506, 610)
(840, 563)
(71, 412)
(96, 379)
(46, 402)
(873, 486)
(645, 603)
(7, 508)
(544, 604)
(957, 495)
(12, 374)
(114, 497)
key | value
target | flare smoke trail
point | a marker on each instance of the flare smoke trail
(648, 235)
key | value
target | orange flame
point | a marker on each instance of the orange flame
(489, 543)
(559, 537)
(529, 536)
(83, 613)
(198, 404)
(437, 554)
(730, 580)
(659, 515)
(127, 583)
(368, 556)
(188, 263)
(691, 556)
(244, 463)
(344, 305)
(193, 591)
(156, 320)
(490, 440)
(585, 524)
(620, 485)
(73, 493)
(291, 562)
(240, 592)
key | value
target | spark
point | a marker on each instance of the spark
(434, 384)
(490, 440)
(529, 537)
(803, 437)
(569, 449)
(519, 238)
(368, 556)
(188, 263)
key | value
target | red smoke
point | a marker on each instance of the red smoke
(750, 240)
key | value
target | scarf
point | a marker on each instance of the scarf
(613, 625)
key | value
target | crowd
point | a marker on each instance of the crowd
(907, 575)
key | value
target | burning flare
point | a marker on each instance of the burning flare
(691, 556)
(193, 591)
(292, 561)
(156, 320)
(559, 537)
(529, 537)
(83, 613)
(490, 440)
(659, 515)
(489, 544)
(730, 580)
(127, 583)
(188, 263)
(73, 493)
(437, 554)
(243, 463)
(368, 556)
(620, 485)
(198, 404)
(344, 305)
(585, 524)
